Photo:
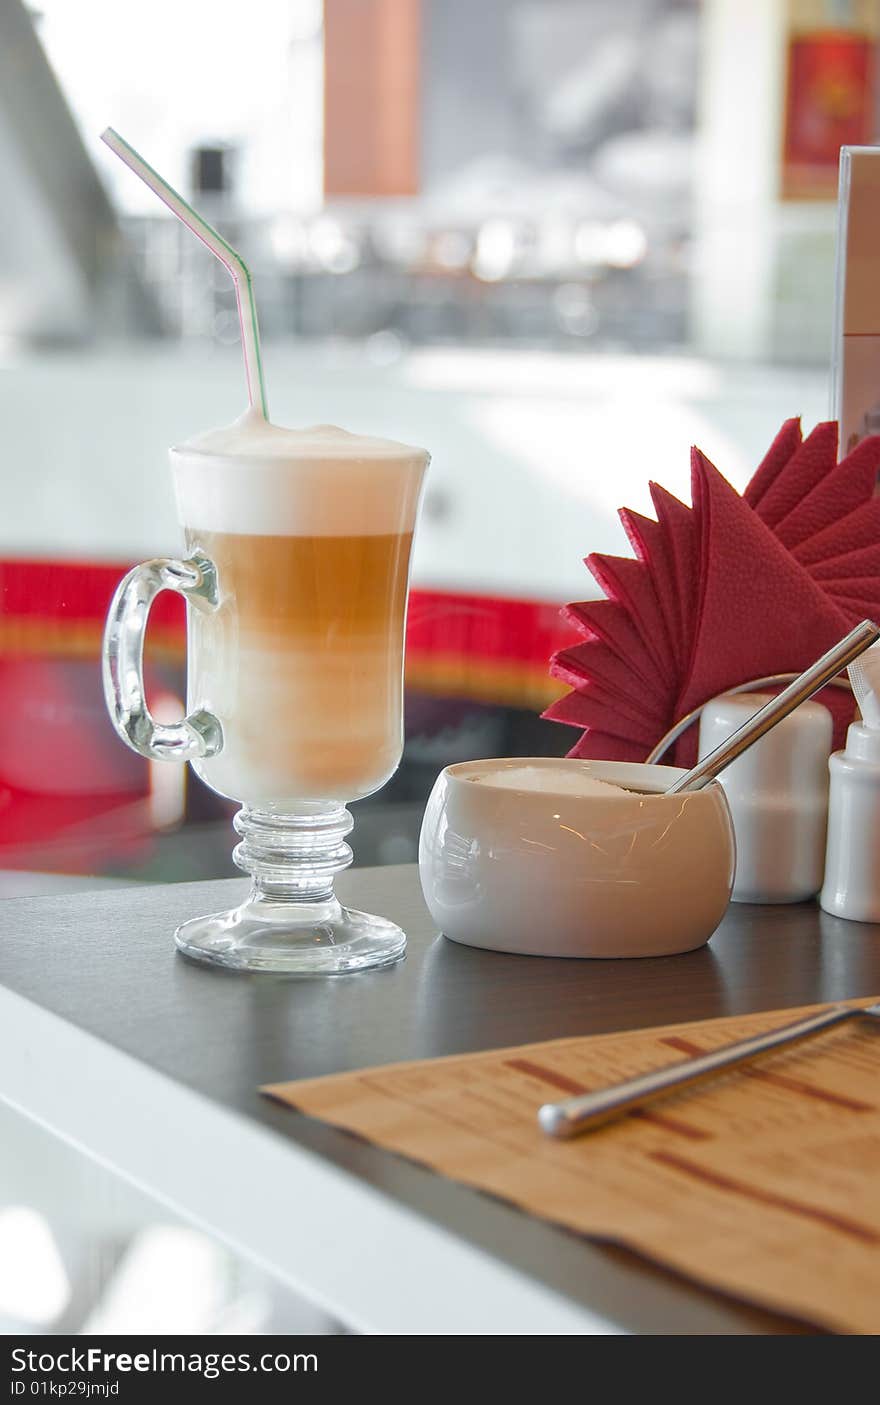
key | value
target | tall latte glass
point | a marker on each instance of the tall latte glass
(296, 580)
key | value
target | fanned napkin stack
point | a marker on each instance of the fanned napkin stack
(731, 589)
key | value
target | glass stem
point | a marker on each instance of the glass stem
(293, 858)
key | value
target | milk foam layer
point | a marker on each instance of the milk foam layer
(565, 779)
(256, 478)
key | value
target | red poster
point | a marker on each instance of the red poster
(829, 104)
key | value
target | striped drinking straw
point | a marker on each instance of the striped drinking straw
(232, 261)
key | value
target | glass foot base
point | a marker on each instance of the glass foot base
(292, 922)
(330, 941)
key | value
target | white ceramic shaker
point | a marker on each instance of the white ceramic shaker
(852, 865)
(778, 797)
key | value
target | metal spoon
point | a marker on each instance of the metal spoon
(590, 1110)
(803, 687)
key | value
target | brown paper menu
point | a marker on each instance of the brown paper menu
(764, 1183)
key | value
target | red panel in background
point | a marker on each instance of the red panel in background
(64, 773)
(46, 594)
(71, 796)
(487, 648)
(829, 104)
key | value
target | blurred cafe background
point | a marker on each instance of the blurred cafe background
(555, 241)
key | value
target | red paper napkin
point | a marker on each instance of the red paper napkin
(723, 592)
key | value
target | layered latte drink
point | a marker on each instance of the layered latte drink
(301, 661)
(295, 583)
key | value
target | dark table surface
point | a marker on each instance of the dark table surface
(105, 962)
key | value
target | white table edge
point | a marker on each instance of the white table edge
(371, 1262)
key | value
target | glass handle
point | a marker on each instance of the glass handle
(197, 735)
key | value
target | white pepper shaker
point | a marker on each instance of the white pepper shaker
(852, 867)
(778, 797)
(852, 862)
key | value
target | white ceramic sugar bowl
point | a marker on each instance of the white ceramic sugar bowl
(778, 797)
(602, 875)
